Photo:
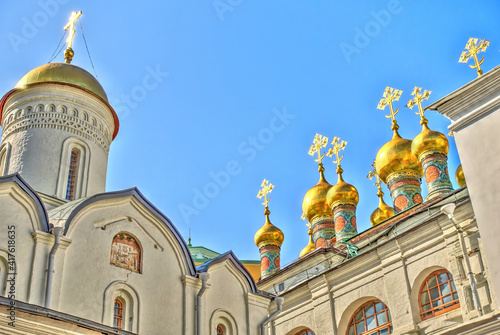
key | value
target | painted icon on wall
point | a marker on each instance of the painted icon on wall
(126, 252)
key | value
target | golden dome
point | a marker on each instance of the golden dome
(269, 234)
(429, 140)
(342, 192)
(460, 177)
(309, 247)
(394, 156)
(314, 202)
(66, 74)
(382, 213)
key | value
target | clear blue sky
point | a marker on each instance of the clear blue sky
(226, 69)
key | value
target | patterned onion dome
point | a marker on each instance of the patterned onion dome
(460, 177)
(269, 234)
(382, 213)
(342, 192)
(429, 140)
(396, 155)
(315, 199)
(309, 247)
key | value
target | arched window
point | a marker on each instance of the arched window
(220, 330)
(118, 314)
(372, 318)
(73, 174)
(305, 332)
(438, 294)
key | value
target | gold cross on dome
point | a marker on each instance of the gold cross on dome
(319, 142)
(373, 173)
(419, 97)
(267, 188)
(474, 47)
(335, 150)
(71, 26)
(390, 95)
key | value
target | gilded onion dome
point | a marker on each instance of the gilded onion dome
(342, 193)
(396, 155)
(310, 246)
(382, 213)
(460, 177)
(63, 73)
(269, 234)
(314, 202)
(429, 140)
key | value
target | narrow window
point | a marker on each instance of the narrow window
(118, 314)
(372, 318)
(3, 158)
(72, 175)
(220, 330)
(438, 294)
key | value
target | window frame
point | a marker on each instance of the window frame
(118, 318)
(72, 180)
(436, 311)
(388, 324)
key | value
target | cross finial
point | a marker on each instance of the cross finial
(68, 54)
(335, 150)
(417, 100)
(373, 173)
(474, 47)
(390, 95)
(267, 188)
(319, 142)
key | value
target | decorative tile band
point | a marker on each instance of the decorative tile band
(405, 189)
(323, 228)
(269, 260)
(345, 222)
(435, 168)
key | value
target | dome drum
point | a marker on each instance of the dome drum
(345, 222)
(435, 168)
(269, 260)
(324, 232)
(405, 189)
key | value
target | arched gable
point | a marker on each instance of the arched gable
(231, 257)
(39, 207)
(134, 192)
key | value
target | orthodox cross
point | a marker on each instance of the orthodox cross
(267, 188)
(417, 100)
(474, 47)
(335, 150)
(319, 142)
(373, 173)
(68, 54)
(390, 95)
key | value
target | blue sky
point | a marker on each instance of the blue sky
(215, 96)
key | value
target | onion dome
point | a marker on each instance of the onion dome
(310, 246)
(396, 155)
(269, 234)
(460, 177)
(342, 192)
(429, 140)
(314, 202)
(382, 213)
(63, 73)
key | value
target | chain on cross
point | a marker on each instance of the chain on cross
(319, 142)
(335, 150)
(473, 47)
(417, 100)
(267, 188)
(390, 95)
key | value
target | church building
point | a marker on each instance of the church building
(77, 259)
